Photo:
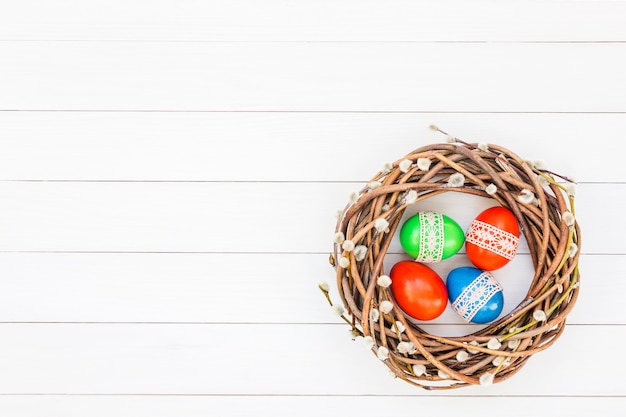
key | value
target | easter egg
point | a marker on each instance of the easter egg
(418, 290)
(430, 237)
(492, 238)
(474, 294)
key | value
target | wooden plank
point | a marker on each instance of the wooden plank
(260, 360)
(238, 288)
(306, 406)
(322, 20)
(228, 217)
(270, 76)
(285, 146)
(225, 217)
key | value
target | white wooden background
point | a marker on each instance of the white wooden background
(170, 172)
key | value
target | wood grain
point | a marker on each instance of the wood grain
(268, 360)
(302, 147)
(319, 21)
(306, 406)
(240, 217)
(313, 76)
(237, 288)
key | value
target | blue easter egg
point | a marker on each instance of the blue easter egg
(474, 294)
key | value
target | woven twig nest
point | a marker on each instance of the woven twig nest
(367, 226)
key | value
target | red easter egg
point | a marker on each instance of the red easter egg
(418, 290)
(492, 238)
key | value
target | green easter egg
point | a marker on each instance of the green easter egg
(430, 237)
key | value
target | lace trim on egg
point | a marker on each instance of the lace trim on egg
(476, 295)
(431, 237)
(493, 239)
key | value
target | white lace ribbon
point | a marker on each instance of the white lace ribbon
(431, 237)
(476, 295)
(493, 239)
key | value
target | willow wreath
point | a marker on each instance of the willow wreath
(543, 204)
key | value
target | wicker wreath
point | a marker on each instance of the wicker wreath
(542, 202)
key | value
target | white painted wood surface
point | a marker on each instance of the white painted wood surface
(170, 172)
